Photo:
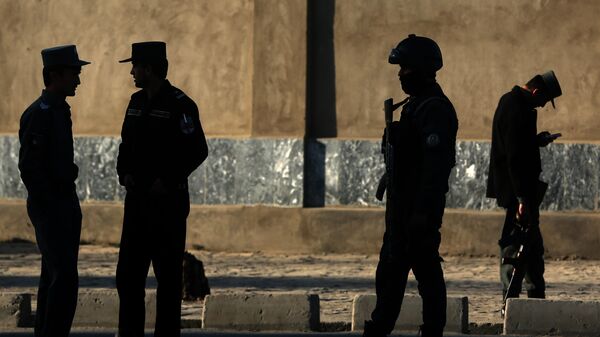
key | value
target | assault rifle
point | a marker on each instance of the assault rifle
(521, 235)
(387, 180)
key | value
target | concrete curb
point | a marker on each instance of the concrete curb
(457, 313)
(261, 312)
(15, 309)
(552, 317)
(100, 309)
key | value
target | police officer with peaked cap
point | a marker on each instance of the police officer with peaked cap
(49, 174)
(514, 171)
(424, 153)
(162, 144)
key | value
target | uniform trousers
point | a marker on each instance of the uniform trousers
(400, 253)
(534, 257)
(154, 230)
(57, 223)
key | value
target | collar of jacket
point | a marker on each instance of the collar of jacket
(52, 99)
(524, 97)
(430, 91)
(163, 91)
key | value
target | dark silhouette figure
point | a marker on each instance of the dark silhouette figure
(49, 174)
(195, 283)
(162, 144)
(513, 179)
(421, 150)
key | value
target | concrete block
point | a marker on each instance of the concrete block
(100, 309)
(15, 309)
(457, 313)
(552, 317)
(282, 312)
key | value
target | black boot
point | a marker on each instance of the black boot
(431, 331)
(536, 293)
(371, 330)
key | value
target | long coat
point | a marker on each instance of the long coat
(515, 163)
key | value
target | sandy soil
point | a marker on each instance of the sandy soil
(336, 278)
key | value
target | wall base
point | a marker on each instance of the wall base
(321, 230)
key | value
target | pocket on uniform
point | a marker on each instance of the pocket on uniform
(33, 148)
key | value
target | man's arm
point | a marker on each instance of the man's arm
(438, 141)
(191, 147)
(513, 138)
(33, 153)
(64, 170)
(124, 157)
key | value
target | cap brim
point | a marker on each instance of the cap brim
(554, 106)
(126, 60)
(83, 63)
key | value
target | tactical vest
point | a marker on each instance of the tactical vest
(409, 149)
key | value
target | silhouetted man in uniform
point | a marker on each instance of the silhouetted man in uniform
(424, 151)
(162, 144)
(514, 171)
(49, 174)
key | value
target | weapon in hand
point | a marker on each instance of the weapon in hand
(521, 235)
(386, 181)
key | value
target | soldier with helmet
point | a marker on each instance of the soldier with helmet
(49, 173)
(162, 144)
(513, 179)
(424, 151)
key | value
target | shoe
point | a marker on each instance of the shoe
(429, 331)
(371, 330)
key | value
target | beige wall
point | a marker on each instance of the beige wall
(279, 68)
(210, 45)
(244, 61)
(488, 47)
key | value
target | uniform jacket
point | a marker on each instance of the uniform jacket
(161, 138)
(425, 141)
(46, 153)
(515, 163)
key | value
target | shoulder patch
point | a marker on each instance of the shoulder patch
(432, 140)
(186, 124)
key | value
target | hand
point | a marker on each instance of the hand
(544, 138)
(522, 214)
(395, 127)
(521, 211)
(158, 188)
(129, 182)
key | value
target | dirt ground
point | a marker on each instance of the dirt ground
(336, 278)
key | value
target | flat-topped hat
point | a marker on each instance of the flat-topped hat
(149, 51)
(62, 56)
(552, 86)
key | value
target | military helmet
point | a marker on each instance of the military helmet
(417, 52)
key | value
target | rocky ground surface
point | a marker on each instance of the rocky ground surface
(336, 278)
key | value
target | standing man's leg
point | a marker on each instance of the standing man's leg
(534, 277)
(432, 287)
(390, 283)
(132, 269)
(58, 227)
(42, 296)
(167, 260)
(508, 249)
